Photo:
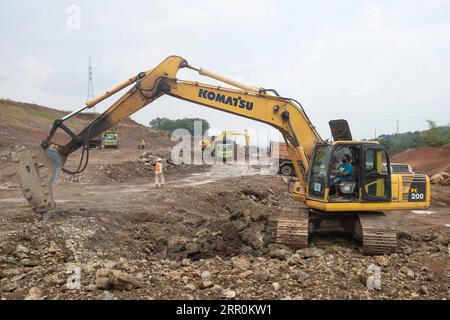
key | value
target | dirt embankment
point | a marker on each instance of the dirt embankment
(429, 160)
(28, 124)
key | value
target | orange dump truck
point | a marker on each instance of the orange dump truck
(279, 150)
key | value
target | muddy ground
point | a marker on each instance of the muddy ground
(208, 234)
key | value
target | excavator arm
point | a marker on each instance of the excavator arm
(237, 133)
(258, 104)
(144, 91)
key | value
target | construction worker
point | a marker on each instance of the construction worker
(159, 176)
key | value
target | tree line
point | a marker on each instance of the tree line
(185, 123)
(435, 136)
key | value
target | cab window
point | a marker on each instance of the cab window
(319, 169)
(377, 182)
(370, 161)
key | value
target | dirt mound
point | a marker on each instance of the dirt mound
(442, 179)
(130, 170)
(245, 229)
(28, 124)
(429, 160)
(106, 166)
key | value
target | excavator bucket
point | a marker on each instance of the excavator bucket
(37, 169)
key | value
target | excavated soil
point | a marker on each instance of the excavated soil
(208, 234)
(429, 160)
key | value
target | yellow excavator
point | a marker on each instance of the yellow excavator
(222, 147)
(223, 135)
(371, 189)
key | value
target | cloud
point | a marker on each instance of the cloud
(338, 58)
(190, 17)
(26, 73)
(244, 12)
(31, 71)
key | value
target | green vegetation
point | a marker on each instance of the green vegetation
(436, 136)
(185, 123)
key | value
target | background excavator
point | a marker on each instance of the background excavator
(222, 146)
(223, 135)
(372, 189)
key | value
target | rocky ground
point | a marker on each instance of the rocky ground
(208, 234)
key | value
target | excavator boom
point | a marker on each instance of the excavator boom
(246, 101)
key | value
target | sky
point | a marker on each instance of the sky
(370, 62)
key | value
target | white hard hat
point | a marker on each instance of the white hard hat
(159, 160)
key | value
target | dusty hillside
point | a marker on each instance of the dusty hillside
(429, 160)
(28, 124)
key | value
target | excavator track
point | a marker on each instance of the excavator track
(292, 227)
(377, 235)
(373, 229)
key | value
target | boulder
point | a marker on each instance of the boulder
(253, 237)
(229, 294)
(276, 286)
(115, 279)
(382, 261)
(206, 275)
(240, 262)
(261, 274)
(294, 259)
(310, 252)
(281, 254)
(206, 284)
(301, 275)
(56, 278)
(34, 294)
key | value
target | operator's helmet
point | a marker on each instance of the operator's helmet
(159, 160)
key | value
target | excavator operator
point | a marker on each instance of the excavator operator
(342, 173)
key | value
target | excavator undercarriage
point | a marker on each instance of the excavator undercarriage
(372, 230)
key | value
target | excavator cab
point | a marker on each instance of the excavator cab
(369, 180)
(369, 176)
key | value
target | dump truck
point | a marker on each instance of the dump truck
(110, 139)
(279, 150)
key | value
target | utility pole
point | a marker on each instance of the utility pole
(376, 134)
(90, 91)
(397, 128)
